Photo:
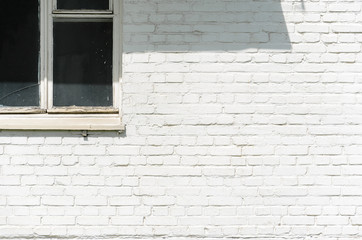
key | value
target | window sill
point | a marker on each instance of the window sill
(95, 122)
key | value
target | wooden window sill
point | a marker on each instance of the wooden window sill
(92, 122)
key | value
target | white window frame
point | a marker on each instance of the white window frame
(48, 117)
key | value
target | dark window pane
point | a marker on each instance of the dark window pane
(19, 53)
(83, 64)
(83, 4)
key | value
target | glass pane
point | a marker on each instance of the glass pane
(83, 4)
(82, 64)
(19, 53)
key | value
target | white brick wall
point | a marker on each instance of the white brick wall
(243, 121)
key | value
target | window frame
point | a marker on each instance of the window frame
(48, 117)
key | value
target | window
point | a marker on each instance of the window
(60, 64)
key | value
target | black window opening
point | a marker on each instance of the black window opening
(82, 74)
(19, 53)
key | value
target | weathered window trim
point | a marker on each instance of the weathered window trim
(21, 110)
(61, 122)
(47, 117)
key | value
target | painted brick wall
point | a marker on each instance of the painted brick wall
(243, 121)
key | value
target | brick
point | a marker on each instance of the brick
(346, 28)
(312, 28)
(123, 150)
(91, 201)
(9, 180)
(127, 221)
(58, 220)
(124, 201)
(21, 150)
(57, 200)
(84, 150)
(17, 170)
(23, 220)
(92, 220)
(23, 201)
(161, 221)
(55, 150)
(332, 220)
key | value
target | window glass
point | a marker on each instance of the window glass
(19, 53)
(82, 64)
(83, 4)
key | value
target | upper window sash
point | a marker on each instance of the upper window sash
(110, 9)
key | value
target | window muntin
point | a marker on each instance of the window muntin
(19, 53)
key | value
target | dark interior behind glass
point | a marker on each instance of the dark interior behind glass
(19, 53)
(82, 64)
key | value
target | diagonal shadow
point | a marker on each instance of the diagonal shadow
(200, 25)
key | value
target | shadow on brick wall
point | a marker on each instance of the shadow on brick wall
(203, 25)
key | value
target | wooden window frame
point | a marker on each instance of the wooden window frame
(48, 117)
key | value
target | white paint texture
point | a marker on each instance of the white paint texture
(243, 121)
